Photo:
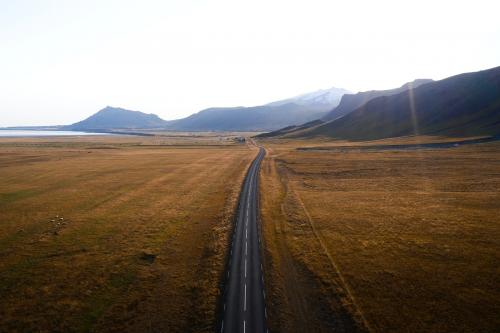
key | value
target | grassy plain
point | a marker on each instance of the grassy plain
(117, 233)
(381, 241)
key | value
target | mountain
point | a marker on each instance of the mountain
(116, 118)
(348, 103)
(462, 105)
(292, 111)
(287, 112)
(351, 102)
(257, 118)
(324, 97)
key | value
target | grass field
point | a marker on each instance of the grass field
(383, 241)
(115, 233)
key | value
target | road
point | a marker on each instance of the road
(244, 296)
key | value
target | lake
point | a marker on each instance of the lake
(27, 133)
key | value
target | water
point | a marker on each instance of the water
(26, 133)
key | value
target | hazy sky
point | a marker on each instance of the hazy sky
(61, 61)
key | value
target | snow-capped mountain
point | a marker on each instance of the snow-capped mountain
(328, 97)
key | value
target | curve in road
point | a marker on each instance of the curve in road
(244, 308)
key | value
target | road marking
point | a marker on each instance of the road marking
(252, 193)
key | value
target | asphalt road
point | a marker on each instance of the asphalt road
(244, 296)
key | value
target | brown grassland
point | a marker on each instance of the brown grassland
(115, 233)
(381, 241)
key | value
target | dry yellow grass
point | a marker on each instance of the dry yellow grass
(115, 233)
(401, 241)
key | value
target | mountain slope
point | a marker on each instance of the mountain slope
(351, 102)
(462, 105)
(257, 118)
(114, 118)
(348, 103)
(292, 111)
(291, 129)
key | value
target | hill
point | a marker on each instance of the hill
(114, 118)
(462, 105)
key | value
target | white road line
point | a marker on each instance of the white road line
(246, 248)
(245, 305)
(222, 327)
(244, 327)
(246, 233)
(264, 293)
(245, 268)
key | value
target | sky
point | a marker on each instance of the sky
(61, 61)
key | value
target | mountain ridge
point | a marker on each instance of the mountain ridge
(291, 111)
(466, 104)
(348, 103)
